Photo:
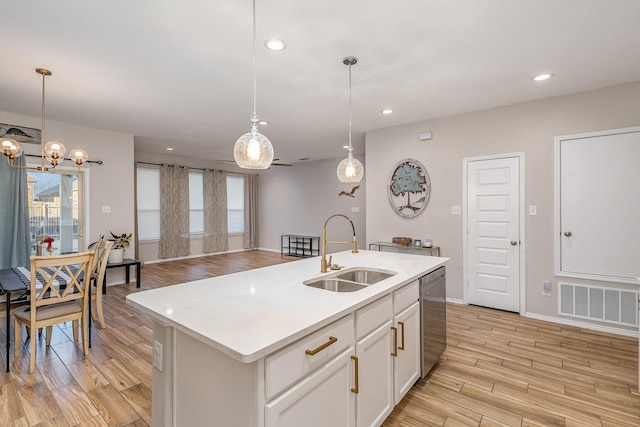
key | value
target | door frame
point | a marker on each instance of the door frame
(521, 218)
(83, 188)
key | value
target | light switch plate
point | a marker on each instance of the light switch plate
(455, 210)
(106, 209)
(533, 210)
(355, 209)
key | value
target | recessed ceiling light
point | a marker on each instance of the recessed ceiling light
(275, 44)
(542, 77)
(345, 147)
(387, 111)
(169, 148)
(263, 122)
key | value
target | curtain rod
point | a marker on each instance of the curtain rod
(99, 162)
(181, 166)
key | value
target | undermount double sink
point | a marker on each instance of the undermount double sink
(350, 280)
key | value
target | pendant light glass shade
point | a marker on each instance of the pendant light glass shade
(253, 150)
(350, 169)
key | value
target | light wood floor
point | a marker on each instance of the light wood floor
(499, 369)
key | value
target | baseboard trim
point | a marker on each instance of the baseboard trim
(456, 301)
(155, 261)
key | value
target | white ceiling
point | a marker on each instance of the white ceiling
(178, 73)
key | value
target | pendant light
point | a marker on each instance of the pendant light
(52, 151)
(253, 150)
(350, 169)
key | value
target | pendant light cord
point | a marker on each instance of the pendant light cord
(42, 131)
(254, 116)
(350, 147)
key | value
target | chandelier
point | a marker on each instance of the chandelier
(52, 153)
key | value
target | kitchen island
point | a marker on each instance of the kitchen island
(226, 348)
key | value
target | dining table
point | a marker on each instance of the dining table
(17, 280)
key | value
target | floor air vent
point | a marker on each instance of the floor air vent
(610, 305)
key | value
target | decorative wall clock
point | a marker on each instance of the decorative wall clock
(409, 188)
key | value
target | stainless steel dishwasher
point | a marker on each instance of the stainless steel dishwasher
(433, 312)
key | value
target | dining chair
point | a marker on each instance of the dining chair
(58, 293)
(101, 258)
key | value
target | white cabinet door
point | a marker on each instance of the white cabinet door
(597, 205)
(375, 377)
(407, 363)
(323, 399)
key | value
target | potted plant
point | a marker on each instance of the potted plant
(120, 242)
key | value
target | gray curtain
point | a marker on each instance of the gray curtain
(251, 239)
(15, 240)
(174, 212)
(216, 234)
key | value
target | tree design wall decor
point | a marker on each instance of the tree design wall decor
(409, 188)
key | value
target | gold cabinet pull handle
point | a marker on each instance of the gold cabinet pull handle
(355, 367)
(401, 336)
(322, 347)
(395, 341)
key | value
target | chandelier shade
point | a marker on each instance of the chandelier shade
(11, 148)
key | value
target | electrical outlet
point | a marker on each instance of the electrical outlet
(455, 210)
(157, 355)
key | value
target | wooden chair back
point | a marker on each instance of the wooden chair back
(59, 279)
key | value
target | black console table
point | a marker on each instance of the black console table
(126, 263)
(300, 246)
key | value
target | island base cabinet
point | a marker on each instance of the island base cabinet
(211, 388)
(374, 400)
(407, 363)
(323, 399)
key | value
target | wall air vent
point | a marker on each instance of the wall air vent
(611, 305)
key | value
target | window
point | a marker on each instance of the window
(235, 203)
(196, 203)
(148, 204)
(55, 210)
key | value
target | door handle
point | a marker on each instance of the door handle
(322, 347)
(395, 341)
(513, 243)
(354, 390)
(567, 233)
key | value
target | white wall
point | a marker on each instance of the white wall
(528, 127)
(109, 184)
(299, 199)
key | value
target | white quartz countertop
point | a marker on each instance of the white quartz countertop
(251, 314)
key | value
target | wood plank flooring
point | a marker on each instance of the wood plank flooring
(499, 369)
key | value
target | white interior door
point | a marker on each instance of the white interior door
(493, 233)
